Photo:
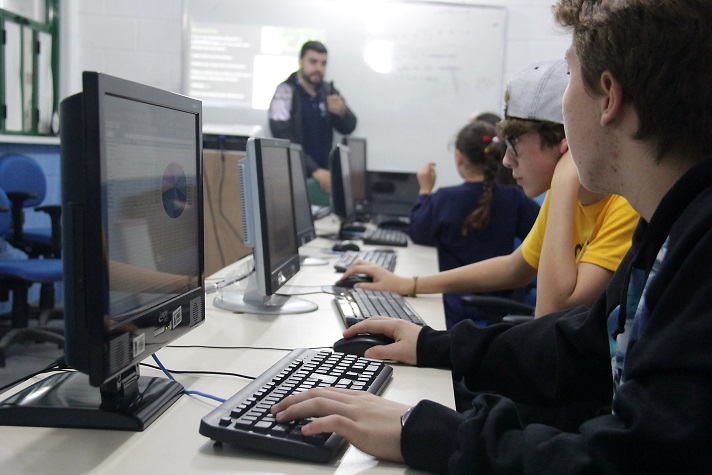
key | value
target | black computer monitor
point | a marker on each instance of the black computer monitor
(131, 160)
(342, 198)
(302, 207)
(358, 157)
(269, 228)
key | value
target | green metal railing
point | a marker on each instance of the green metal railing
(20, 66)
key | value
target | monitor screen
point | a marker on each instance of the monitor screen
(357, 149)
(131, 159)
(342, 198)
(300, 197)
(269, 228)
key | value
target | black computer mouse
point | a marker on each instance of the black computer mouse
(344, 246)
(349, 281)
(357, 345)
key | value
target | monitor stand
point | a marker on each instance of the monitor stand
(251, 300)
(128, 402)
(312, 261)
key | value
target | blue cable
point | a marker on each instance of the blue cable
(185, 391)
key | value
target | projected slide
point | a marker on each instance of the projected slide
(240, 66)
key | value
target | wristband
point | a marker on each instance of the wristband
(414, 293)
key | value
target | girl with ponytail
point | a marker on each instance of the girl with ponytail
(475, 220)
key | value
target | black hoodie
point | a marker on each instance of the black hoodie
(545, 400)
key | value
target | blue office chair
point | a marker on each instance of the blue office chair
(16, 277)
(25, 184)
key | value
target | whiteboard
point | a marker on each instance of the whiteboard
(412, 72)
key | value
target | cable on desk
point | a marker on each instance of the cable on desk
(57, 365)
(210, 347)
(186, 391)
(297, 295)
(213, 287)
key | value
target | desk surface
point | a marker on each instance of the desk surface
(172, 443)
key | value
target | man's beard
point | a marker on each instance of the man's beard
(313, 80)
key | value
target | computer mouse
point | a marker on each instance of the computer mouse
(354, 227)
(344, 246)
(357, 345)
(349, 281)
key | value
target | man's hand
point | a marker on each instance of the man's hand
(368, 422)
(336, 105)
(323, 176)
(426, 178)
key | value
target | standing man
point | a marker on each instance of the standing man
(305, 110)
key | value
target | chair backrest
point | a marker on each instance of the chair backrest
(23, 173)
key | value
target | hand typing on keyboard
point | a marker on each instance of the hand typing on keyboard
(382, 278)
(370, 423)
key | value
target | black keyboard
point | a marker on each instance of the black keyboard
(384, 258)
(356, 305)
(385, 237)
(245, 419)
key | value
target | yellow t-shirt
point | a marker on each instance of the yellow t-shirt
(602, 232)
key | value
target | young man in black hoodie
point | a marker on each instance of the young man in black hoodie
(624, 387)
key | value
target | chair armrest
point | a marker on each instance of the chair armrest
(517, 319)
(496, 304)
(17, 198)
(55, 215)
(497, 308)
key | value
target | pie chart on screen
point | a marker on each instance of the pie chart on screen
(174, 190)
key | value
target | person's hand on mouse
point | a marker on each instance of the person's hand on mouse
(404, 333)
(383, 279)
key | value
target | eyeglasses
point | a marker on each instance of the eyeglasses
(511, 142)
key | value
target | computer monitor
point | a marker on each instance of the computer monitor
(392, 193)
(269, 228)
(302, 207)
(131, 161)
(342, 198)
(357, 148)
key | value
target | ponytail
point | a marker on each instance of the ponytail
(477, 141)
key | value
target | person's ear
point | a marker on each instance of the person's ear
(459, 158)
(612, 99)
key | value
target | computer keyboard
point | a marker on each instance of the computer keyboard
(385, 237)
(356, 305)
(383, 257)
(245, 419)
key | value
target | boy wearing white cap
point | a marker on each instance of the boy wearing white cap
(578, 239)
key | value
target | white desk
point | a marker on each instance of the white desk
(172, 443)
